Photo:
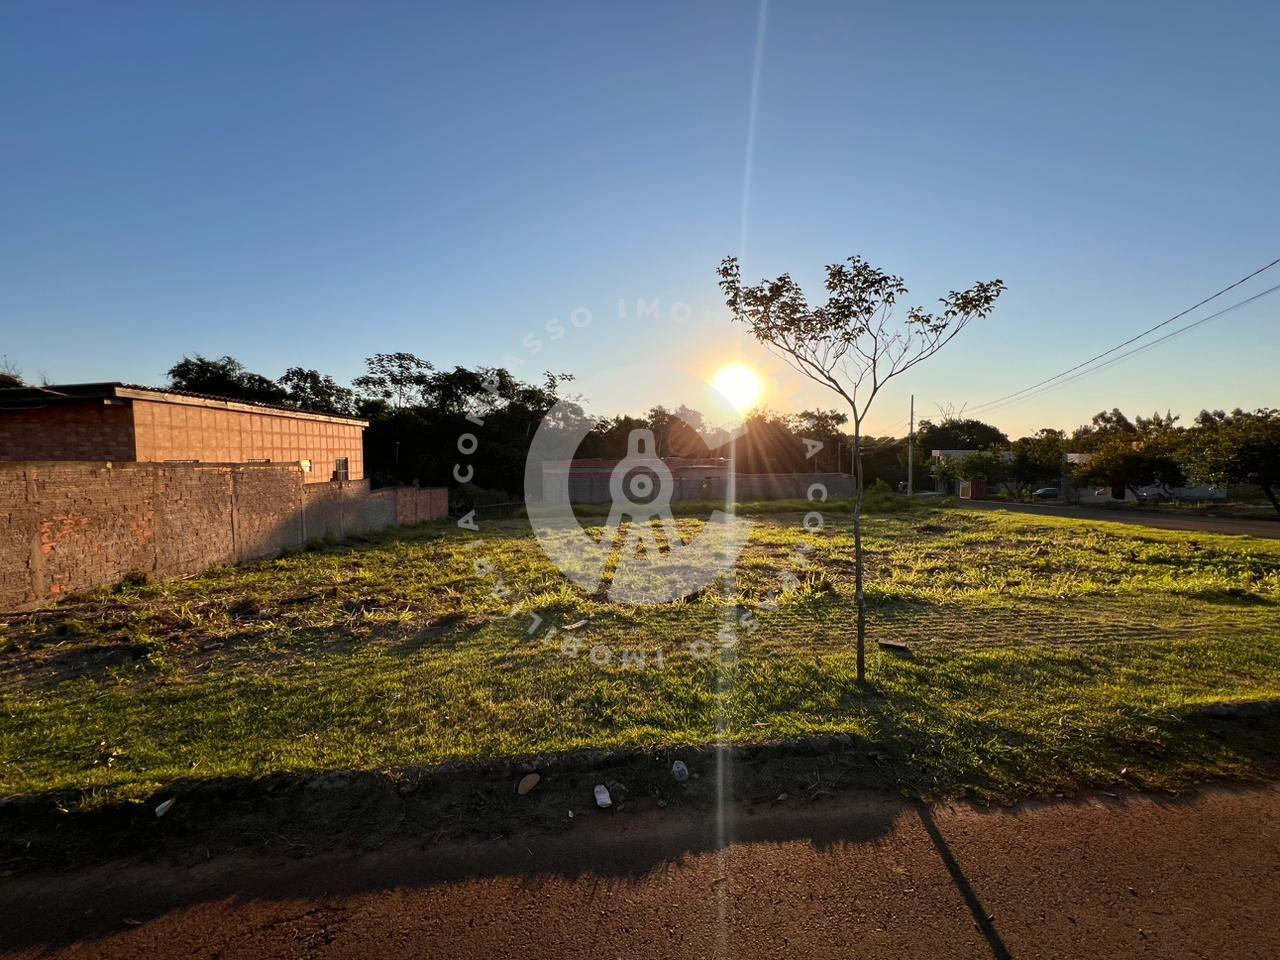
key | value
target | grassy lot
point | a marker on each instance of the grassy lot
(1047, 654)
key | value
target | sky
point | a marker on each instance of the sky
(551, 187)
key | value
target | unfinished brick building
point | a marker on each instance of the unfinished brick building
(122, 423)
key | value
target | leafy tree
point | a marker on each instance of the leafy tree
(853, 346)
(1037, 458)
(676, 432)
(824, 427)
(608, 439)
(693, 419)
(317, 392)
(417, 414)
(1126, 465)
(662, 422)
(989, 465)
(397, 379)
(1106, 426)
(1126, 454)
(766, 444)
(224, 377)
(463, 391)
(957, 434)
(1111, 425)
(1237, 448)
(884, 459)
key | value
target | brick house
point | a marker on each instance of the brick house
(121, 422)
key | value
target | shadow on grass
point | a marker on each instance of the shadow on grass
(1232, 597)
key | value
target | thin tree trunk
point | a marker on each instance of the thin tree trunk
(1271, 495)
(857, 552)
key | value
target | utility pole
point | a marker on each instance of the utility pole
(911, 450)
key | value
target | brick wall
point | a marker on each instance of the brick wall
(79, 431)
(337, 509)
(173, 430)
(416, 504)
(69, 527)
(791, 486)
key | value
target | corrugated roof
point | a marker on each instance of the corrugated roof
(19, 397)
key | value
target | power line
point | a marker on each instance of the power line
(1121, 346)
(1146, 346)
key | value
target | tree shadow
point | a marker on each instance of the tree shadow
(430, 822)
(423, 829)
(981, 917)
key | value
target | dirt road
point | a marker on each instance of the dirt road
(1163, 521)
(855, 875)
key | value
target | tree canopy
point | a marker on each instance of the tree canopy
(224, 377)
(1240, 447)
(312, 390)
(953, 433)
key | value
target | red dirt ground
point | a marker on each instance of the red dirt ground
(853, 875)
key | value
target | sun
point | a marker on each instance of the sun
(738, 384)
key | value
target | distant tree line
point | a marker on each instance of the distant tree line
(1240, 448)
(417, 412)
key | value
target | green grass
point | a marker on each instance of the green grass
(1047, 654)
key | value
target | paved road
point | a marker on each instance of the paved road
(853, 875)
(1164, 521)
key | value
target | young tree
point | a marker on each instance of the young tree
(852, 345)
(1235, 448)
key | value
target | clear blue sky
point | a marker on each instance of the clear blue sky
(308, 183)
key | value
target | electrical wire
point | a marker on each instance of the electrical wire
(1146, 346)
(1121, 346)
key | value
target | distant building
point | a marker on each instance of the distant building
(121, 422)
(940, 458)
(587, 480)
